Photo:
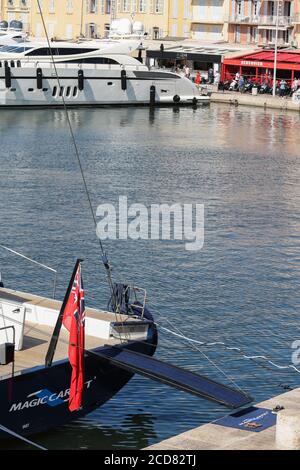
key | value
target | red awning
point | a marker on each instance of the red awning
(268, 56)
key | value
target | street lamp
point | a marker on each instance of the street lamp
(279, 6)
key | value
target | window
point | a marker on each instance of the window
(41, 51)
(106, 30)
(239, 7)
(155, 33)
(61, 91)
(126, 6)
(254, 7)
(52, 6)
(142, 6)
(92, 6)
(107, 7)
(92, 60)
(14, 49)
(159, 6)
(68, 92)
(75, 91)
(70, 6)
(54, 91)
(91, 30)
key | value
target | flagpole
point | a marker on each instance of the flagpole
(275, 51)
(55, 335)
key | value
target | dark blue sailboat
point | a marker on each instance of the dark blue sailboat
(34, 394)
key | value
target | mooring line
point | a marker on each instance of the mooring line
(21, 438)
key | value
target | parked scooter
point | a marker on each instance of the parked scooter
(222, 86)
(248, 86)
(265, 88)
(234, 85)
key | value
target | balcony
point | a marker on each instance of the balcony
(242, 19)
(283, 21)
(267, 42)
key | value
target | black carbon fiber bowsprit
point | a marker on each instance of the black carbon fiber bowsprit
(174, 376)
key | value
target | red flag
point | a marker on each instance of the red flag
(73, 320)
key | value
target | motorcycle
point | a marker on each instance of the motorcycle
(222, 86)
(265, 88)
(248, 86)
(233, 86)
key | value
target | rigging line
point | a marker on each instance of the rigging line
(263, 366)
(239, 350)
(21, 438)
(44, 266)
(217, 342)
(231, 348)
(208, 359)
(104, 257)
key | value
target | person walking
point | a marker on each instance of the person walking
(210, 75)
(282, 88)
(295, 85)
(187, 72)
(241, 84)
(198, 79)
(217, 78)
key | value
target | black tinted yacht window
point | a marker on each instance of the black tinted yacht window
(93, 60)
(14, 49)
(59, 51)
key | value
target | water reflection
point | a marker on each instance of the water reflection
(135, 431)
(242, 288)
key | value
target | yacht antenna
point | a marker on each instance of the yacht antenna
(103, 253)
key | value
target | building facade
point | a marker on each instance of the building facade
(210, 20)
(234, 21)
(70, 19)
(255, 22)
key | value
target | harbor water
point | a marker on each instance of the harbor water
(241, 289)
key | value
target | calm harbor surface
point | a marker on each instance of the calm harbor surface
(242, 288)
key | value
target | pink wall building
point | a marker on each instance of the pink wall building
(254, 22)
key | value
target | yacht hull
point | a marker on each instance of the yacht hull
(20, 87)
(37, 400)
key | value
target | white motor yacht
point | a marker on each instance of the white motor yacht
(91, 73)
